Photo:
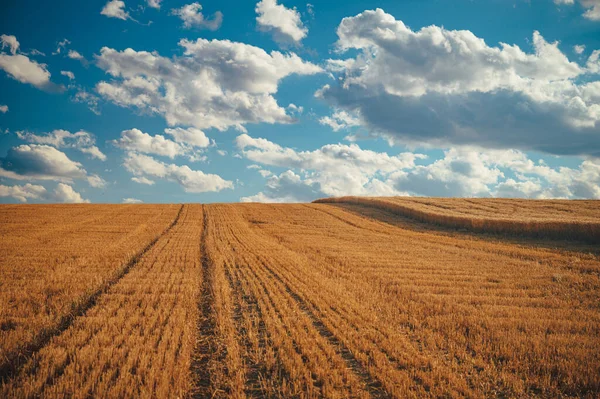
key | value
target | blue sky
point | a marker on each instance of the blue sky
(282, 101)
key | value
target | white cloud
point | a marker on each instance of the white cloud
(579, 48)
(192, 181)
(4, 108)
(143, 180)
(132, 201)
(337, 170)
(68, 74)
(215, 84)
(284, 23)
(11, 42)
(89, 99)
(22, 193)
(287, 187)
(340, 120)
(61, 46)
(115, 9)
(23, 69)
(136, 140)
(65, 194)
(154, 3)
(441, 87)
(592, 7)
(81, 140)
(96, 181)
(334, 169)
(186, 142)
(192, 136)
(39, 162)
(192, 17)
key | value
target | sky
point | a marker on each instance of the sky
(168, 101)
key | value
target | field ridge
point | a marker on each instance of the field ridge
(12, 364)
(588, 231)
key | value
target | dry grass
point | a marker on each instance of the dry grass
(319, 300)
(54, 259)
(138, 339)
(559, 219)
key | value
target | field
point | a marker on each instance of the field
(354, 298)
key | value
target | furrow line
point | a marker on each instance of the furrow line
(205, 347)
(13, 363)
(372, 383)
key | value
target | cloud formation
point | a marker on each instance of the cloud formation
(192, 17)
(337, 170)
(22, 193)
(192, 181)
(215, 84)
(23, 69)
(115, 9)
(132, 201)
(591, 7)
(186, 142)
(154, 3)
(39, 162)
(66, 194)
(81, 140)
(284, 23)
(440, 87)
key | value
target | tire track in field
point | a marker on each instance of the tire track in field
(14, 362)
(206, 348)
(373, 386)
(265, 287)
(253, 369)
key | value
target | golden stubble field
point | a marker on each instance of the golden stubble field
(357, 298)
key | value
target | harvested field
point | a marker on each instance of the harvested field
(297, 300)
(560, 219)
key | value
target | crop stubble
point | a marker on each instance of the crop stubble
(319, 300)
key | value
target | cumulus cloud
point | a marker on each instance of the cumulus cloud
(23, 69)
(75, 55)
(287, 187)
(4, 108)
(186, 140)
(96, 181)
(441, 87)
(337, 170)
(192, 136)
(143, 180)
(39, 162)
(115, 9)
(11, 42)
(154, 3)
(579, 48)
(334, 169)
(22, 193)
(132, 201)
(284, 23)
(68, 74)
(592, 7)
(192, 17)
(340, 120)
(136, 140)
(192, 181)
(65, 194)
(215, 84)
(81, 140)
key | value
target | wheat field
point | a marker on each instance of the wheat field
(345, 298)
